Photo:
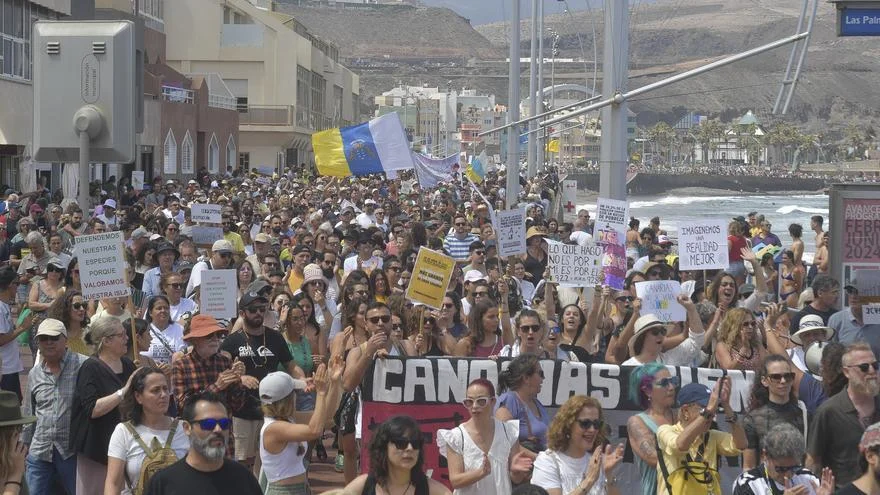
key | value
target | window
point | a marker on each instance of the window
(302, 87)
(169, 154)
(244, 161)
(213, 155)
(187, 158)
(337, 104)
(230, 154)
(319, 85)
(16, 21)
(241, 104)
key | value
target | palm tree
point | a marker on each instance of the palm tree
(662, 134)
(708, 133)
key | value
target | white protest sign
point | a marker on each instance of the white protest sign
(569, 200)
(510, 232)
(702, 245)
(572, 265)
(202, 213)
(867, 283)
(612, 217)
(659, 298)
(137, 180)
(205, 236)
(102, 265)
(218, 292)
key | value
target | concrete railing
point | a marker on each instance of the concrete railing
(266, 115)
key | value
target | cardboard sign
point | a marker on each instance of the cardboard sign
(202, 213)
(510, 232)
(218, 294)
(205, 236)
(430, 278)
(430, 389)
(574, 265)
(612, 217)
(702, 245)
(659, 298)
(102, 265)
(569, 200)
(137, 180)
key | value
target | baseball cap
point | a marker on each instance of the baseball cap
(300, 248)
(139, 233)
(474, 275)
(51, 327)
(110, 203)
(183, 266)
(262, 237)
(278, 385)
(222, 246)
(251, 297)
(694, 393)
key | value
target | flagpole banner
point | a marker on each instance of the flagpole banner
(569, 200)
(432, 171)
(373, 147)
(430, 390)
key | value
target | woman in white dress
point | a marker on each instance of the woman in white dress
(579, 459)
(483, 453)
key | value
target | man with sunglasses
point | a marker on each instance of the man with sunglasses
(781, 470)
(458, 243)
(221, 257)
(51, 385)
(477, 257)
(205, 468)
(839, 422)
(849, 325)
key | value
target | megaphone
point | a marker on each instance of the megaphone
(813, 356)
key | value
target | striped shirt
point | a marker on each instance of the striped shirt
(459, 249)
(50, 399)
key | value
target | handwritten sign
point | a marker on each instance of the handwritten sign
(611, 221)
(510, 231)
(205, 236)
(569, 200)
(217, 296)
(659, 297)
(102, 265)
(574, 265)
(702, 245)
(867, 283)
(430, 278)
(137, 180)
(202, 213)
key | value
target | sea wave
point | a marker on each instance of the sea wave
(786, 210)
(678, 200)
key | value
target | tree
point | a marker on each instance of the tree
(708, 134)
(662, 135)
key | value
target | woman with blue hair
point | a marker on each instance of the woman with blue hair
(653, 387)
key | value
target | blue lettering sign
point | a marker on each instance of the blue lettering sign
(859, 22)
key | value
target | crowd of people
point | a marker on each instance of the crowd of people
(145, 394)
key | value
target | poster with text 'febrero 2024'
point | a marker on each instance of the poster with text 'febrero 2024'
(430, 278)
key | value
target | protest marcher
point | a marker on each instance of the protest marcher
(483, 338)
(13, 451)
(869, 465)
(739, 343)
(315, 332)
(530, 331)
(167, 336)
(50, 394)
(172, 286)
(72, 310)
(654, 388)
(849, 325)
(205, 467)
(10, 356)
(579, 458)
(101, 384)
(483, 453)
(221, 257)
(166, 255)
(147, 439)
(520, 385)
(293, 329)
(396, 460)
(826, 293)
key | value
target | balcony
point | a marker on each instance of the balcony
(267, 115)
(177, 95)
(219, 95)
(232, 35)
(312, 120)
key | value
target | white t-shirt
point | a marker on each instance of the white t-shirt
(555, 470)
(351, 264)
(124, 447)
(183, 307)
(10, 356)
(165, 343)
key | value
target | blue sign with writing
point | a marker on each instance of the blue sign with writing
(860, 22)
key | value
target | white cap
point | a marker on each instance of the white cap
(278, 385)
(474, 275)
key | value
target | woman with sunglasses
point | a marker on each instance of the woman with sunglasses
(172, 285)
(286, 431)
(44, 291)
(167, 336)
(653, 388)
(70, 308)
(428, 341)
(102, 382)
(483, 453)
(739, 343)
(171, 231)
(772, 401)
(396, 462)
(520, 385)
(145, 425)
(579, 459)
(72, 281)
(530, 332)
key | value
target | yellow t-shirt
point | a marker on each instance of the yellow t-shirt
(295, 281)
(720, 442)
(235, 239)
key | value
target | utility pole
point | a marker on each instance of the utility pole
(542, 141)
(533, 91)
(512, 184)
(613, 150)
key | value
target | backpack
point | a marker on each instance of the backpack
(158, 457)
(694, 477)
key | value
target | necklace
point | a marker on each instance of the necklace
(388, 490)
(256, 352)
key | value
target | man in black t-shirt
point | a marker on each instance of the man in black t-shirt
(262, 350)
(869, 464)
(204, 470)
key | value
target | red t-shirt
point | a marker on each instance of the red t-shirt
(736, 244)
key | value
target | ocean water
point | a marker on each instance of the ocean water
(682, 207)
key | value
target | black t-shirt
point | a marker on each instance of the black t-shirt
(849, 489)
(181, 478)
(809, 310)
(261, 355)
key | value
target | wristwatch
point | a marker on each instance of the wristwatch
(707, 413)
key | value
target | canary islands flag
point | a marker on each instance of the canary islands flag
(476, 171)
(373, 147)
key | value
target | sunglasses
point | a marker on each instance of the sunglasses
(624, 299)
(786, 469)
(448, 305)
(393, 268)
(176, 286)
(777, 377)
(256, 309)
(657, 331)
(865, 366)
(208, 424)
(48, 338)
(376, 319)
(530, 328)
(479, 402)
(590, 423)
(78, 306)
(401, 443)
(666, 382)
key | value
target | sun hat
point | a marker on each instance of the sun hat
(811, 323)
(10, 410)
(535, 231)
(278, 385)
(167, 246)
(110, 203)
(642, 325)
(202, 325)
(51, 327)
(694, 393)
(262, 237)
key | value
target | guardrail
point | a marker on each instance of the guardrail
(265, 115)
(177, 95)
